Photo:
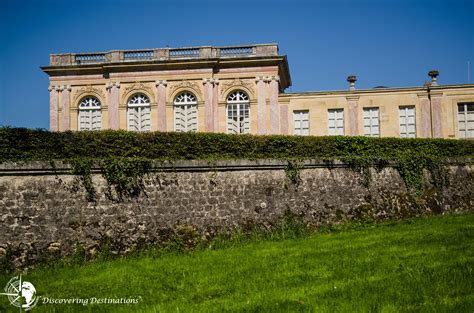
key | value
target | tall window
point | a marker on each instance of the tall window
(336, 122)
(407, 122)
(238, 121)
(466, 120)
(185, 112)
(139, 113)
(301, 122)
(89, 114)
(371, 122)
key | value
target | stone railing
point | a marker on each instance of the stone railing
(163, 54)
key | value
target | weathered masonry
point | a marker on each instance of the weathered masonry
(46, 213)
(239, 89)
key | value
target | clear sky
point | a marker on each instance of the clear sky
(390, 43)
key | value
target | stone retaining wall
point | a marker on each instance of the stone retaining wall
(45, 213)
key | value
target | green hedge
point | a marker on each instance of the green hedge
(26, 144)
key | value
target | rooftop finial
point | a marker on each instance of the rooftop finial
(351, 79)
(434, 77)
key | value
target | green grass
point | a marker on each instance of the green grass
(420, 265)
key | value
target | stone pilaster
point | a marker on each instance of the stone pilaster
(210, 104)
(161, 101)
(65, 105)
(436, 114)
(53, 108)
(353, 105)
(113, 105)
(261, 104)
(274, 107)
(284, 119)
(215, 104)
(425, 114)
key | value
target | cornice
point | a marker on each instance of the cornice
(420, 91)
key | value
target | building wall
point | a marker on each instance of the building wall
(388, 102)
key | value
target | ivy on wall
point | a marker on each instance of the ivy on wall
(125, 157)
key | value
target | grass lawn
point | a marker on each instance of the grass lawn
(421, 265)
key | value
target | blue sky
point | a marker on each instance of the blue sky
(390, 43)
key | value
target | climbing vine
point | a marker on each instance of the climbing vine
(83, 169)
(292, 171)
(125, 177)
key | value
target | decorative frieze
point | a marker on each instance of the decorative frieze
(185, 84)
(89, 89)
(227, 85)
(137, 87)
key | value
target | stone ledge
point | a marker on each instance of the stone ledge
(64, 168)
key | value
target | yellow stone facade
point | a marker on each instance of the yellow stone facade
(211, 74)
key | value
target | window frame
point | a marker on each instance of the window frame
(239, 103)
(140, 107)
(336, 110)
(186, 105)
(299, 112)
(370, 109)
(89, 110)
(466, 121)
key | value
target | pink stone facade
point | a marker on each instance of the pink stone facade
(263, 76)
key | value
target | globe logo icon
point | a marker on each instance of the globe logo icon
(21, 294)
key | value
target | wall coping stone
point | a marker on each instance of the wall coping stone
(64, 168)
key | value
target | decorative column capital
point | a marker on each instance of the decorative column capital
(112, 84)
(51, 88)
(161, 83)
(267, 79)
(65, 87)
(214, 81)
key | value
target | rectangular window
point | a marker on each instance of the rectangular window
(466, 120)
(407, 122)
(301, 122)
(336, 122)
(371, 122)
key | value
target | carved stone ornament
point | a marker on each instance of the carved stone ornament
(225, 86)
(89, 89)
(185, 85)
(137, 87)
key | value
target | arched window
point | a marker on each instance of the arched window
(238, 121)
(139, 113)
(185, 112)
(89, 114)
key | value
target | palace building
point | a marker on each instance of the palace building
(236, 90)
